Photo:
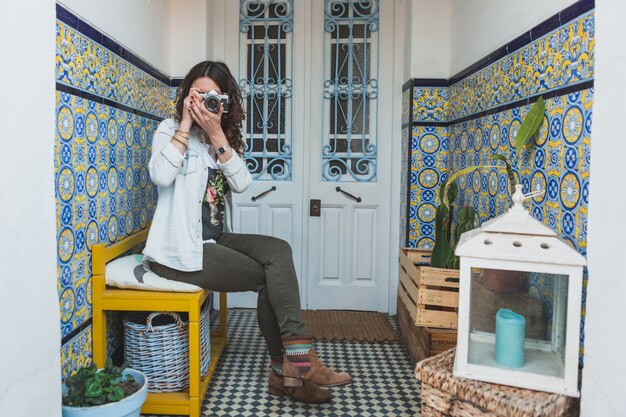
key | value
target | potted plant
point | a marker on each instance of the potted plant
(502, 281)
(109, 392)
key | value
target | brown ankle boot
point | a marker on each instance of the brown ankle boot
(307, 392)
(324, 376)
(318, 374)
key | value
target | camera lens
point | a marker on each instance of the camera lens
(212, 104)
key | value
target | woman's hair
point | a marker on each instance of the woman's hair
(231, 121)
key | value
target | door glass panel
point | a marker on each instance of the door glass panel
(265, 78)
(350, 90)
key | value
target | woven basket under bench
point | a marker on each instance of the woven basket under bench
(161, 351)
(446, 396)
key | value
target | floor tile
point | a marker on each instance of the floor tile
(383, 382)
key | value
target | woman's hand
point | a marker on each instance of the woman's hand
(186, 120)
(209, 122)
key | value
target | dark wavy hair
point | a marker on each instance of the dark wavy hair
(231, 121)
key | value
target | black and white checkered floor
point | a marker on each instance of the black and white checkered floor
(383, 382)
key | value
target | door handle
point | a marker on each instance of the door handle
(339, 190)
(256, 197)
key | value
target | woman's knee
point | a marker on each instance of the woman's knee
(272, 245)
(280, 245)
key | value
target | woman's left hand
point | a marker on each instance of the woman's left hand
(208, 121)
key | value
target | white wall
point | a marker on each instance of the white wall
(171, 35)
(605, 338)
(30, 341)
(188, 36)
(481, 26)
(428, 30)
(140, 26)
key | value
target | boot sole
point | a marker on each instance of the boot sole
(339, 384)
(277, 392)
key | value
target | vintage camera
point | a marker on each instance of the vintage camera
(212, 101)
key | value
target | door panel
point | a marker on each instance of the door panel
(261, 55)
(331, 245)
(281, 222)
(349, 146)
(364, 253)
(248, 219)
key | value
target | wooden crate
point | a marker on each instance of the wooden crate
(431, 295)
(422, 342)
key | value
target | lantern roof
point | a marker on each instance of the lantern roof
(517, 236)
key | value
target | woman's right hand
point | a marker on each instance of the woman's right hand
(186, 121)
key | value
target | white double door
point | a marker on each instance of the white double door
(343, 256)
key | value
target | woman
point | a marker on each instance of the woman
(196, 163)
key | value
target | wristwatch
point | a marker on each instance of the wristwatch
(222, 150)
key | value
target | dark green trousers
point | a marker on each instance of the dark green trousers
(263, 264)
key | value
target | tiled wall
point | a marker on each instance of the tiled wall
(460, 122)
(478, 116)
(557, 162)
(108, 107)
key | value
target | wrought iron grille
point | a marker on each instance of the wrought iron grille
(265, 70)
(351, 39)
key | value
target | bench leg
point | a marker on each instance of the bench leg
(224, 314)
(99, 336)
(194, 368)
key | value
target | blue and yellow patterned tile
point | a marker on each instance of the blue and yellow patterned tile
(101, 182)
(82, 63)
(89, 192)
(404, 186)
(560, 58)
(430, 104)
(406, 106)
(429, 147)
(557, 162)
(76, 353)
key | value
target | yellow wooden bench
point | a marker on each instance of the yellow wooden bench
(105, 298)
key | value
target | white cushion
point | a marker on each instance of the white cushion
(130, 272)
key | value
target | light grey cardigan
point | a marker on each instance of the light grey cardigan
(175, 237)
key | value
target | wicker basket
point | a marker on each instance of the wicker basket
(162, 351)
(446, 396)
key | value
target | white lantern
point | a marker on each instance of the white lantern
(519, 304)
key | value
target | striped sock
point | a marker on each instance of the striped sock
(277, 366)
(297, 351)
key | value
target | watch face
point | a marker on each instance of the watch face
(221, 150)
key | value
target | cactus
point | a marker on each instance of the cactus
(447, 235)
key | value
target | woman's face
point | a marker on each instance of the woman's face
(206, 84)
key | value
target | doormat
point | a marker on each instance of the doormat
(355, 326)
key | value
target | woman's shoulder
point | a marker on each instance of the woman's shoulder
(168, 124)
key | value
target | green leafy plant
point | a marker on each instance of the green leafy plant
(90, 387)
(446, 233)
(529, 127)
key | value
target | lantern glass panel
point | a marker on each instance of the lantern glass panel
(518, 320)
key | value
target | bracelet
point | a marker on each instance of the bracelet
(186, 137)
(183, 138)
(180, 141)
(182, 131)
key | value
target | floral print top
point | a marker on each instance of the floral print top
(213, 205)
